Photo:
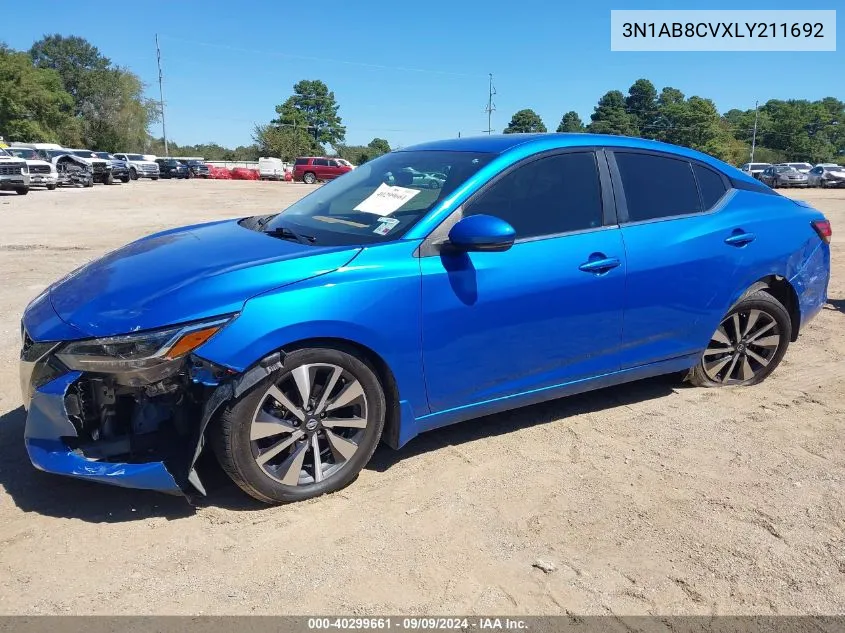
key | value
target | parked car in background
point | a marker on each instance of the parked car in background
(101, 168)
(755, 169)
(343, 161)
(804, 168)
(410, 177)
(14, 173)
(271, 168)
(171, 168)
(196, 168)
(306, 337)
(827, 176)
(310, 169)
(119, 168)
(139, 166)
(72, 170)
(783, 176)
(42, 173)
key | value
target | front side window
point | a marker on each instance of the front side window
(551, 195)
(657, 186)
(378, 201)
(321, 162)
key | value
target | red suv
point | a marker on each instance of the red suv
(310, 169)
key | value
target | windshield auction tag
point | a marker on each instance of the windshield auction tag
(386, 199)
(386, 225)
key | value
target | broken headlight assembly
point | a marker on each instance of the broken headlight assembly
(142, 357)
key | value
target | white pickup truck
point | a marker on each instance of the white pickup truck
(140, 166)
(14, 174)
(42, 173)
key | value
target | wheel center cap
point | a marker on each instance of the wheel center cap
(311, 424)
(741, 348)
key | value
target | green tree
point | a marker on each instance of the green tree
(379, 146)
(312, 108)
(73, 58)
(33, 104)
(610, 116)
(641, 103)
(525, 121)
(571, 122)
(285, 142)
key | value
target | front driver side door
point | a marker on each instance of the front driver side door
(544, 313)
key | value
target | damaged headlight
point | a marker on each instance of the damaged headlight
(133, 352)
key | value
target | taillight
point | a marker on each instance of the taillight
(822, 227)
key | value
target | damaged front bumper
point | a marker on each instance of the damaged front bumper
(147, 436)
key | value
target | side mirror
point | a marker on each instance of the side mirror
(481, 233)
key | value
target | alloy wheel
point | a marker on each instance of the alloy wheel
(308, 424)
(743, 346)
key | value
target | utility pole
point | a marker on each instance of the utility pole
(754, 135)
(491, 107)
(161, 94)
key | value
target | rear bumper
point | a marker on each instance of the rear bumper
(811, 282)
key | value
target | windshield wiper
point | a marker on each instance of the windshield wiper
(287, 234)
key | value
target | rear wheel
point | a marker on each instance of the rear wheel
(133, 174)
(51, 187)
(309, 178)
(125, 179)
(304, 431)
(747, 346)
(22, 191)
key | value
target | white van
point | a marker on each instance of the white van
(271, 169)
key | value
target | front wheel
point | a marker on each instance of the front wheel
(51, 187)
(304, 431)
(22, 191)
(748, 344)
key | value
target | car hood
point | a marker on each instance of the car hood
(185, 274)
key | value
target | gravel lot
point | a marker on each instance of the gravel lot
(651, 498)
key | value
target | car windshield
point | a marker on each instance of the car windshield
(837, 168)
(783, 169)
(22, 152)
(104, 155)
(84, 153)
(380, 200)
(196, 163)
(134, 157)
(801, 165)
(170, 162)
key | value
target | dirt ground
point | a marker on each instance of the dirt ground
(651, 498)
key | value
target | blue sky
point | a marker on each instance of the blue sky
(412, 71)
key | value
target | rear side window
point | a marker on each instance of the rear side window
(657, 186)
(301, 161)
(711, 185)
(551, 195)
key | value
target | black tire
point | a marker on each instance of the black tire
(133, 173)
(51, 187)
(89, 182)
(124, 179)
(108, 179)
(154, 178)
(309, 178)
(736, 346)
(22, 191)
(237, 452)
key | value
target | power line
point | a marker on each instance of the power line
(317, 59)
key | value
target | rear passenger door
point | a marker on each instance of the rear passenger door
(321, 169)
(680, 267)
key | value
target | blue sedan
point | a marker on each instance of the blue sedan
(377, 308)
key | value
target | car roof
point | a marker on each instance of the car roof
(530, 143)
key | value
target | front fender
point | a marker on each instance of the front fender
(373, 302)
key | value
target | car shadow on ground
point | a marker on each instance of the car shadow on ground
(51, 495)
(835, 304)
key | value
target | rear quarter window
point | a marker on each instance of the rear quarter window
(711, 184)
(657, 186)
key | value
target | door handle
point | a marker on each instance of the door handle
(599, 266)
(740, 238)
